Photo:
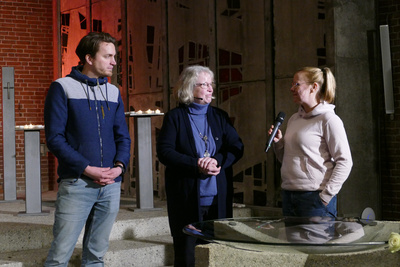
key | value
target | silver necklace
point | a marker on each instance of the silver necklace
(203, 137)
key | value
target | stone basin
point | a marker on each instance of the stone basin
(316, 241)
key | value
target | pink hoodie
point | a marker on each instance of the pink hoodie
(314, 152)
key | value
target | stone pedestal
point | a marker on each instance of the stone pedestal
(213, 255)
(144, 158)
(33, 183)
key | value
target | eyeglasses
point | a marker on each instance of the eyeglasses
(205, 85)
(298, 84)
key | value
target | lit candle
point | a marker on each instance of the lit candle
(149, 111)
(139, 112)
(158, 111)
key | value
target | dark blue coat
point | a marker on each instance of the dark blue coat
(176, 150)
(85, 124)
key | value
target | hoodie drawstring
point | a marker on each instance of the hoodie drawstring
(106, 99)
(87, 93)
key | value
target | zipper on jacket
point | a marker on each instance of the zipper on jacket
(98, 126)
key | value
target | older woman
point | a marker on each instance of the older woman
(315, 154)
(198, 145)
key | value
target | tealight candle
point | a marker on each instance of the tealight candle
(149, 111)
(158, 111)
(139, 112)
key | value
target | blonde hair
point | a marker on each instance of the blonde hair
(325, 79)
(184, 87)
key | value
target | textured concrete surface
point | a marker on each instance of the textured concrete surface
(214, 255)
(139, 237)
(142, 238)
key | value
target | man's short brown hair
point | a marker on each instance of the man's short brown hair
(89, 44)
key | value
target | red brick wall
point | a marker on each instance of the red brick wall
(26, 36)
(389, 13)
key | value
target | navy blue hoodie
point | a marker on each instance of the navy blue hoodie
(85, 124)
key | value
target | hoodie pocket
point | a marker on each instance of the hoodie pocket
(312, 170)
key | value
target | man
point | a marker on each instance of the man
(86, 130)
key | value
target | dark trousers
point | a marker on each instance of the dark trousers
(306, 204)
(184, 245)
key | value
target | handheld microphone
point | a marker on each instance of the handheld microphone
(278, 121)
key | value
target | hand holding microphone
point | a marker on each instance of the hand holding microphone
(274, 130)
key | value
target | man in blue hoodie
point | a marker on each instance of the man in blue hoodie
(86, 130)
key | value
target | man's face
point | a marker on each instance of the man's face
(103, 62)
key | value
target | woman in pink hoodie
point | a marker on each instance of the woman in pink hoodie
(315, 154)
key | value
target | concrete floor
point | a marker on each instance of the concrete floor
(15, 211)
(140, 237)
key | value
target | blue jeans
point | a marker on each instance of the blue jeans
(81, 202)
(306, 204)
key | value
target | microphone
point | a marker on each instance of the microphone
(278, 121)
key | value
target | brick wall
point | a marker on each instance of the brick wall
(26, 36)
(388, 12)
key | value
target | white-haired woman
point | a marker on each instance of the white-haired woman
(198, 145)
